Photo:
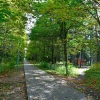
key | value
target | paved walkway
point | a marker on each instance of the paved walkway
(42, 86)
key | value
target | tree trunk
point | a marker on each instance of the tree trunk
(98, 55)
(63, 36)
(44, 52)
(98, 47)
(80, 58)
(52, 50)
(90, 59)
(0, 62)
(65, 58)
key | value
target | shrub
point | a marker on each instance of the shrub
(92, 76)
(45, 65)
(59, 69)
(5, 67)
(73, 70)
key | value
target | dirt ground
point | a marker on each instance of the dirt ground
(12, 85)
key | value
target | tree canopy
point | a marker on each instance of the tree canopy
(65, 30)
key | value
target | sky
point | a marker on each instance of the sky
(30, 22)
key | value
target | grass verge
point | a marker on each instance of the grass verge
(92, 77)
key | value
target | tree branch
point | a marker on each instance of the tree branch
(97, 2)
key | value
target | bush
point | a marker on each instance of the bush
(45, 65)
(5, 67)
(73, 70)
(92, 76)
(59, 69)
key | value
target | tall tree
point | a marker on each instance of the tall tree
(12, 25)
(64, 13)
(93, 7)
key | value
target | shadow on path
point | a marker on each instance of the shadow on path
(42, 86)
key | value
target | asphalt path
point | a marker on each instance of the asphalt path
(43, 86)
